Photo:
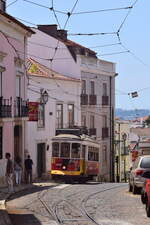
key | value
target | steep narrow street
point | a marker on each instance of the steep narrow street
(88, 204)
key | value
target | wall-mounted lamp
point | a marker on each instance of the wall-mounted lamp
(44, 96)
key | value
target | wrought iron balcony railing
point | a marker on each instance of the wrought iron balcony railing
(92, 99)
(105, 132)
(84, 99)
(5, 107)
(105, 100)
(20, 108)
(92, 131)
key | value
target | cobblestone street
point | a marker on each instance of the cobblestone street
(88, 204)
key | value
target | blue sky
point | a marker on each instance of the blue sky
(133, 67)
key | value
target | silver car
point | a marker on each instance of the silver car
(139, 173)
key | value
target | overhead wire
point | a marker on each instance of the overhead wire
(26, 21)
(114, 53)
(101, 10)
(106, 45)
(93, 34)
(70, 13)
(11, 3)
(43, 6)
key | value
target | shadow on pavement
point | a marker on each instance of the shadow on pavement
(24, 219)
(29, 190)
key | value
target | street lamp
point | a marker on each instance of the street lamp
(44, 96)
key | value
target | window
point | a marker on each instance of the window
(59, 116)
(41, 116)
(65, 150)
(18, 86)
(83, 86)
(55, 150)
(104, 152)
(104, 89)
(92, 121)
(75, 152)
(104, 122)
(1, 142)
(83, 120)
(71, 115)
(92, 88)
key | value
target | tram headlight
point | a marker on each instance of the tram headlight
(64, 167)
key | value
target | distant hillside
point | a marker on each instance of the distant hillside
(131, 114)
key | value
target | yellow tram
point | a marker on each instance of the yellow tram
(74, 158)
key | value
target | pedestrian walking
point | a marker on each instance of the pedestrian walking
(28, 169)
(9, 172)
(18, 170)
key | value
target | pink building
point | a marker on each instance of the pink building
(13, 81)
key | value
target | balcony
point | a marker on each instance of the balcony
(84, 99)
(20, 107)
(5, 108)
(105, 100)
(92, 99)
(104, 132)
(92, 131)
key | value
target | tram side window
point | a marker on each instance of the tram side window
(93, 154)
(55, 152)
(75, 152)
(65, 150)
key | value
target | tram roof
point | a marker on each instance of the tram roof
(75, 137)
(65, 136)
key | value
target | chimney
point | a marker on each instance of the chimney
(3, 5)
(52, 31)
(62, 34)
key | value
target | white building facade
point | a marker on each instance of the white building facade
(98, 85)
(97, 104)
(62, 110)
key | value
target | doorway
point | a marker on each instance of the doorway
(41, 164)
(17, 141)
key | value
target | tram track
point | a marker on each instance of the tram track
(64, 212)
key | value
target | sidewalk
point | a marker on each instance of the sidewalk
(4, 195)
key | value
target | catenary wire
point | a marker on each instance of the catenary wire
(11, 3)
(101, 10)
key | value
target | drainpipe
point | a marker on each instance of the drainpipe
(24, 93)
(112, 150)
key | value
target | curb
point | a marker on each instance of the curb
(4, 217)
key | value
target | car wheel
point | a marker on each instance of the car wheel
(143, 197)
(130, 187)
(147, 210)
(134, 189)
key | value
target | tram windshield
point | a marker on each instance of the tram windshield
(65, 150)
(75, 151)
(55, 150)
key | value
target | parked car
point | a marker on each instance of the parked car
(139, 173)
(145, 196)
